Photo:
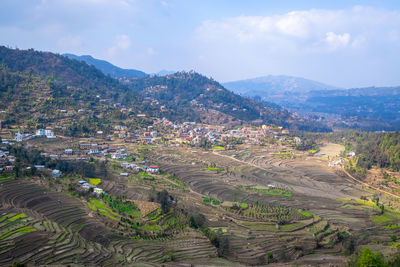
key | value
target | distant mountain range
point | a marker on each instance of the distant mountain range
(369, 108)
(108, 68)
(276, 88)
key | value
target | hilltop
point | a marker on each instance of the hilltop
(192, 96)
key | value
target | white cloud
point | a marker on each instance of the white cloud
(313, 28)
(358, 44)
(337, 40)
(123, 42)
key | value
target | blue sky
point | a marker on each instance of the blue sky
(342, 43)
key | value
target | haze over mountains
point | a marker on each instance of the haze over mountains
(368, 108)
(275, 85)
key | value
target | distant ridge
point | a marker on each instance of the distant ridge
(108, 68)
(271, 85)
(164, 72)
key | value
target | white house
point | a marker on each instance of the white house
(49, 134)
(152, 169)
(40, 132)
(98, 191)
(56, 173)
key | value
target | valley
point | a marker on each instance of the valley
(251, 204)
(177, 170)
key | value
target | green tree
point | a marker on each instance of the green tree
(368, 258)
(162, 197)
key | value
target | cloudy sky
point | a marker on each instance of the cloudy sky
(344, 43)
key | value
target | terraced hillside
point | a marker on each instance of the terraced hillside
(252, 181)
(43, 227)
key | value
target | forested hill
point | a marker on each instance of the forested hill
(36, 86)
(192, 96)
(61, 71)
(378, 149)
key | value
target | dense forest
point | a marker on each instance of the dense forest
(377, 149)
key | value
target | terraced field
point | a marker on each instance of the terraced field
(311, 184)
(43, 227)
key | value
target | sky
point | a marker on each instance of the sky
(344, 43)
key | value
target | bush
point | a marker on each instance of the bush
(367, 258)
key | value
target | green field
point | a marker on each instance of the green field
(266, 191)
(94, 181)
(212, 169)
(99, 206)
(210, 200)
(16, 217)
(25, 229)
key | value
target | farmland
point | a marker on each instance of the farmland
(258, 207)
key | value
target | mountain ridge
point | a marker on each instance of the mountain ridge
(265, 86)
(108, 68)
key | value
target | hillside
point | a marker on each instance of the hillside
(37, 88)
(191, 96)
(108, 68)
(34, 83)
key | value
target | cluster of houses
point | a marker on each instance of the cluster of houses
(100, 150)
(85, 186)
(341, 161)
(193, 133)
(7, 161)
(24, 136)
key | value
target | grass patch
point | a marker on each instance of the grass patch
(359, 203)
(219, 229)
(5, 178)
(306, 214)
(99, 206)
(25, 230)
(266, 191)
(94, 181)
(16, 217)
(392, 227)
(379, 219)
(212, 169)
(284, 155)
(219, 148)
(212, 201)
(126, 159)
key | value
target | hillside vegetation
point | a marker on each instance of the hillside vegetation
(36, 86)
(192, 96)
